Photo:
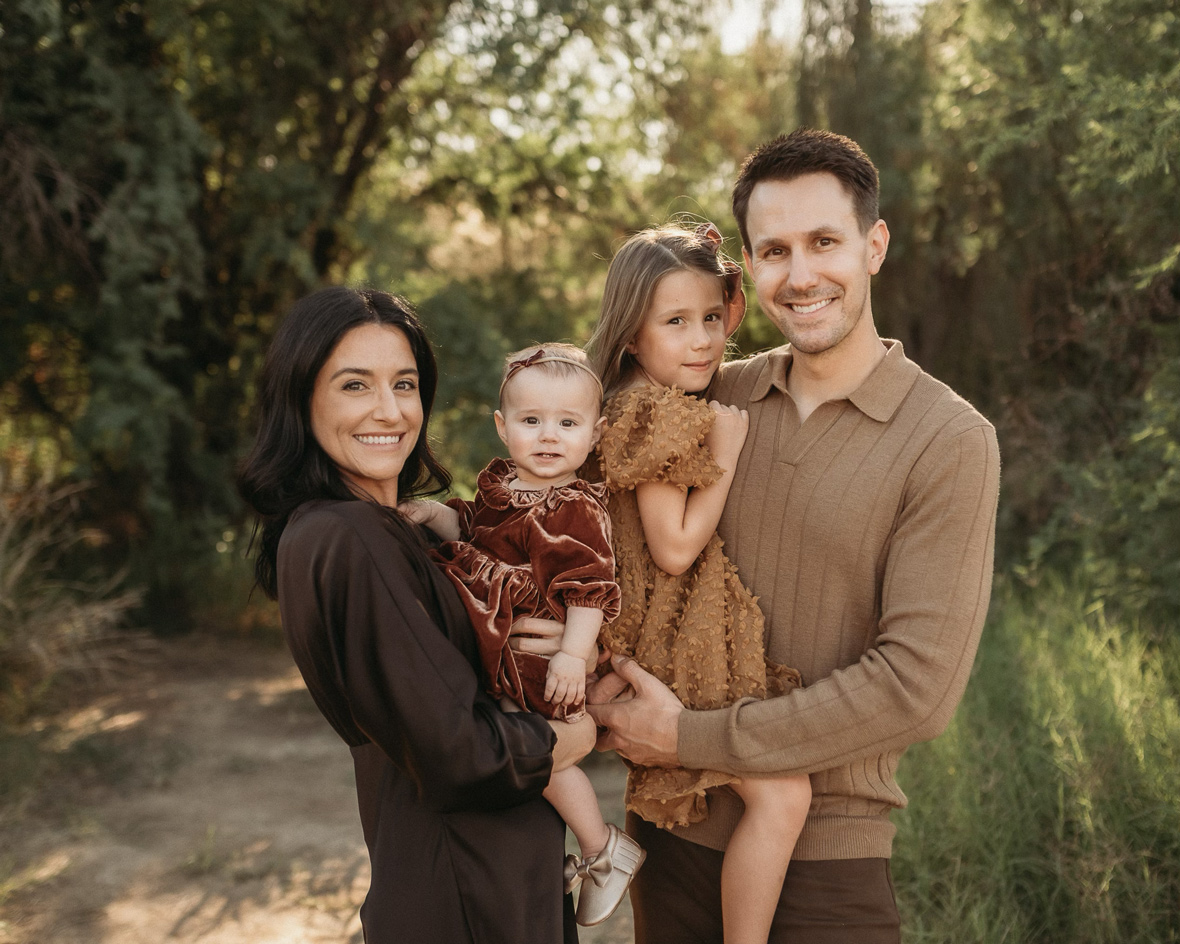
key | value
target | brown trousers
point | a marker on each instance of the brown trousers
(676, 896)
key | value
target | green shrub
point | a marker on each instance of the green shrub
(1049, 811)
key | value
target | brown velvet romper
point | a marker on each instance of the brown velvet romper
(529, 553)
(700, 632)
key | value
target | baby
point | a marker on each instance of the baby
(536, 542)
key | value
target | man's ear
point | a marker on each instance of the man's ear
(746, 260)
(501, 430)
(878, 245)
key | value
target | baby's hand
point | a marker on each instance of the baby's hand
(565, 682)
(728, 434)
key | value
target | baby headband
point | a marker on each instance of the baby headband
(540, 357)
(735, 309)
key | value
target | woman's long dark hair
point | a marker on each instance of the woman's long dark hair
(286, 466)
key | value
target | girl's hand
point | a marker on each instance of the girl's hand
(728, 434)
(566, 681)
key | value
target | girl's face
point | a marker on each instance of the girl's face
(682, 338)
(549, 425)
(366, 411)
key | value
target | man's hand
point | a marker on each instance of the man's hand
(643, 727)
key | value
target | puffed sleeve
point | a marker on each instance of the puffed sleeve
(570, 553)
(657, 435)
(357, 611)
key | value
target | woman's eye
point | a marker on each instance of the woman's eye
(407, 385)
(353, 385)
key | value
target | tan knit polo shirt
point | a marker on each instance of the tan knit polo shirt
(867, 535)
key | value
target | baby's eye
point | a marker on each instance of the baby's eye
(530, 420)
(568, 424)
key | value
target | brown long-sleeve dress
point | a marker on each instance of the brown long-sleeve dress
(463, 848)
(529, 552)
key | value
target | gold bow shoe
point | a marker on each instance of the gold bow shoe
(604, 878)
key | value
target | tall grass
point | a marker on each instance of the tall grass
(50, 626)
(1049, 811)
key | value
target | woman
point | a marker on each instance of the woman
(462, 846)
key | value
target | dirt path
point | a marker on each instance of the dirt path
(205, 801)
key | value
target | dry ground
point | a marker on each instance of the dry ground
(200, 799)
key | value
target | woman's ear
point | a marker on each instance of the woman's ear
(501, 431)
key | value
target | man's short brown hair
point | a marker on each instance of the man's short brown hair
(807, 151)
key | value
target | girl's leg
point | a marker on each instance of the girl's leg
(759, 851)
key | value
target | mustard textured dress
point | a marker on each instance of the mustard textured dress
(700, 633)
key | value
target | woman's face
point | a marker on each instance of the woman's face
(366, 411)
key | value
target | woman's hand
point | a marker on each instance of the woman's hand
(727, 435)
(439, 518)
(574, 741)
(542, 637)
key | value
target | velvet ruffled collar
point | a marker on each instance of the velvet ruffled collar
(494, 486)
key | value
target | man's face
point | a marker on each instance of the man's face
(810, 262)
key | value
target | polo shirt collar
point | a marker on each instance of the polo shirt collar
(878, 397)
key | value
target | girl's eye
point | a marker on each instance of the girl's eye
(712, 316)
(676, 320)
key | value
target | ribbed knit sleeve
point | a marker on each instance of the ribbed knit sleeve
(936, 584)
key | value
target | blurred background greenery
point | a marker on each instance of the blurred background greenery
(174, 173)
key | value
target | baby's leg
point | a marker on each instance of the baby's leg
(573, 796)
(759, 851)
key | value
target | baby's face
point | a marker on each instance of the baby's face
(549, 425)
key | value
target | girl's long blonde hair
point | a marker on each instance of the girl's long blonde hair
(631, 281)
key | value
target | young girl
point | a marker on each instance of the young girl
(668, 457)
(536, 542)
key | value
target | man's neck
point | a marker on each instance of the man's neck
(835, 373)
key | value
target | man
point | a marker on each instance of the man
(862, 516)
